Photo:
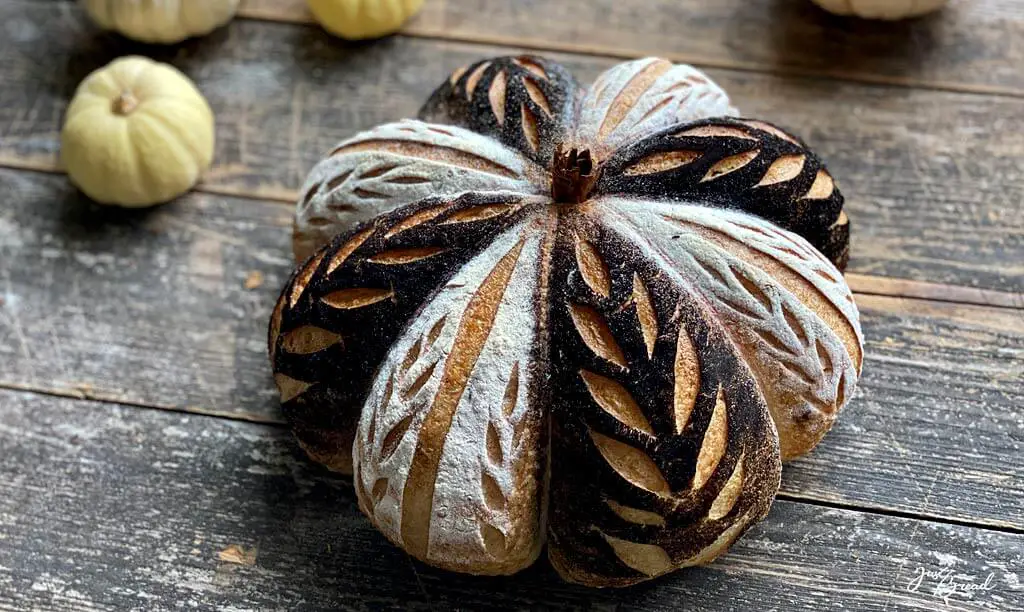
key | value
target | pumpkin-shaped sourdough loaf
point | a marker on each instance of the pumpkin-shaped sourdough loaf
(593, 318)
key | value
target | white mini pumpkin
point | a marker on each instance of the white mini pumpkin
(881, 9)
(359, 19)
(160, 21)
(137, 133)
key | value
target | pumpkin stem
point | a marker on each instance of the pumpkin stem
(125, 103)
(573, 175)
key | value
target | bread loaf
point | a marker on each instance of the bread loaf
(597, 319)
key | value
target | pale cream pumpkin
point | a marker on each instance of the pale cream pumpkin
(160, 21)
(357, 19)
(137, 133)
(881, 9)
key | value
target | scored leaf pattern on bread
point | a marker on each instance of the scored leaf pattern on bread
(736, 164)
(593, 319)
(638, 98)
(647, 450)
(360, 290)
(525, 103)
(398, 164)
(470, 402)
(782, 303)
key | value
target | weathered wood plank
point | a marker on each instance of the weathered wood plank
(972, 45)
(933, 179)
(144, 306)
(113, 508)
(880, 285)
(929, 422)
(151, 308)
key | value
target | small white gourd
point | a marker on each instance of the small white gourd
(137, 133)
(359, 19)
(160, 21)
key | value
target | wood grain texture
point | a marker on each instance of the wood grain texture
(935, 359)
(146, 306)
(877, 285)
(151, 308)
(932, 178)
(971, 45)
(115, 508)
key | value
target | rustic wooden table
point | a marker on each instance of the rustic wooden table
(143, 461)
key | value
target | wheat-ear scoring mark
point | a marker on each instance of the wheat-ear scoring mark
(308, 339)
(632, 464)
(616, 400)
(636, 515)
(592, 268)
(686, 385)
(357, 297)
(496, 96)
(596, 334)
(712, 448)
(289, 387)
(730, 164)
(391, 441)
(475, 327)
(648, 559)
(645, 314)
(474, 79)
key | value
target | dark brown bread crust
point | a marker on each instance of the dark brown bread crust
(592, 500)
(534, 114)
(807, 204)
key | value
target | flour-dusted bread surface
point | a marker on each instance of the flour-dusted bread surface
(593, 319)
(399, 164)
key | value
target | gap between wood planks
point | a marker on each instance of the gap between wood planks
(413, 30)
(102, 399)
(862, 284)
(707, 63)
